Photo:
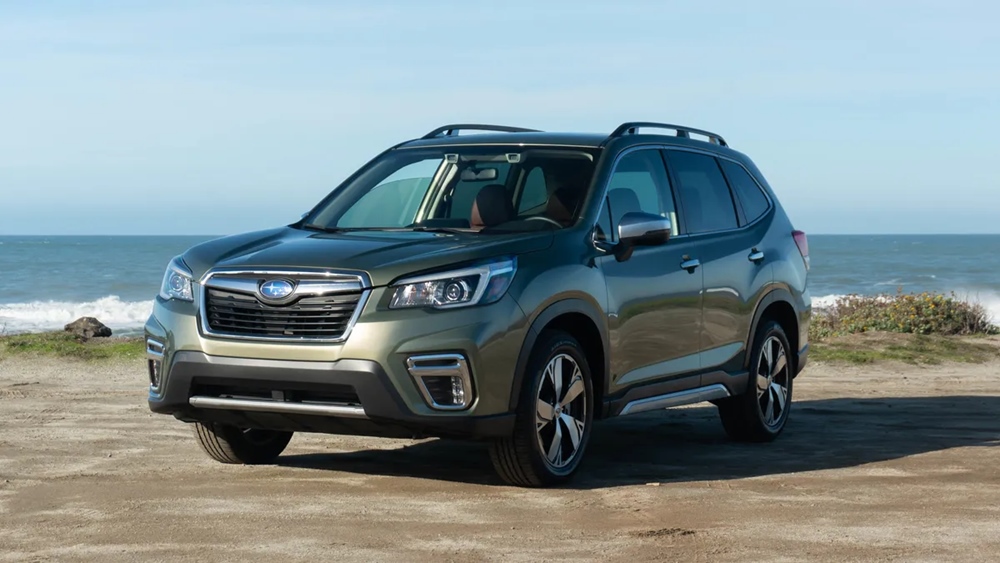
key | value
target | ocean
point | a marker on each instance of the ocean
(48, 281)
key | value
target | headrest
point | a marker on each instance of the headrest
(492, 207)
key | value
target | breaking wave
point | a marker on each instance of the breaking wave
(123, 317)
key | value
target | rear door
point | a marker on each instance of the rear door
(654, 304)
(734, 268)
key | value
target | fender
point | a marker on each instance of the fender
(545, 317)
(773, 296)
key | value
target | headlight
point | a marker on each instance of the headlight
(177, 282)
(460, 288)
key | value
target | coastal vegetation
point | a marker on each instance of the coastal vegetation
(920, 328)
(66, 345)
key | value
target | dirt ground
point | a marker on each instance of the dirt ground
(877, 464)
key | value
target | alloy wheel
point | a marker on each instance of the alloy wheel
(561, 411)
(772, 382)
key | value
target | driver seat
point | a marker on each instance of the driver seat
(491, 207)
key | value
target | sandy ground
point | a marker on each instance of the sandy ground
(877, 464)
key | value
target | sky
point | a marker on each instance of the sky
(220, 117)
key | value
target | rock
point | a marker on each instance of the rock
(87, 328)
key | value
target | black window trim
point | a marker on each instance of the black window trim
(682, 231)
(732, 193)
(732, 199)
(767, 198)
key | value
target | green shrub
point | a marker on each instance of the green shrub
(65, 345)
(923, 313)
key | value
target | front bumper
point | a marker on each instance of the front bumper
(361, 383)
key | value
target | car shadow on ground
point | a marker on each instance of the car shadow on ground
(689, 444)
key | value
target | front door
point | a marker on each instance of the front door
(654, 303)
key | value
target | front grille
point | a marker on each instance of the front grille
(325, 317)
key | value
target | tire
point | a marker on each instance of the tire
(229, 444)
(550, 434)
(760, 413)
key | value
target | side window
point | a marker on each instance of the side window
(749, 193)
(534, 193)
(704, 194)
(639, 183)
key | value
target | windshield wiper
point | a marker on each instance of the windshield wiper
(449, 230)
(326, 229)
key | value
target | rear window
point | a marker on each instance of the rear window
(747, 190)
(706, 201)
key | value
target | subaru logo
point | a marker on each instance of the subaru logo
(276, 289)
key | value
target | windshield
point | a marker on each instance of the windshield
(472, 189)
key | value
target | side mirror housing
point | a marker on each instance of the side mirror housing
(640, 229)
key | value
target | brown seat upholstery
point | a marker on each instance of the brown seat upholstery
(491, 207)
(567, 181)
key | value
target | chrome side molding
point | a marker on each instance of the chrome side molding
(688, 397)
(286, 407)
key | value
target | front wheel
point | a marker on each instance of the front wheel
(554, 416)
(760, 414)
(250, 446)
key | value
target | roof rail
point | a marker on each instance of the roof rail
(629, 128)
(449, 130)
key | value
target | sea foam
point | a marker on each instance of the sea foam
(123, 317)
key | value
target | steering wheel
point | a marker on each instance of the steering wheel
(543, 218)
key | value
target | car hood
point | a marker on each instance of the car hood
(383, 255)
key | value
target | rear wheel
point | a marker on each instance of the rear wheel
(250, 446)
(554, 416)
(760, 414)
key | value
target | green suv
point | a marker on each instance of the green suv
(509, 285)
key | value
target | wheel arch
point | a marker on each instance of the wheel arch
(583, 321)
(776, 305)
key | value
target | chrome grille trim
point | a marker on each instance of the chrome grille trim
(308, 283)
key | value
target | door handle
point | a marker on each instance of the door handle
(690, 264)
(756, 256)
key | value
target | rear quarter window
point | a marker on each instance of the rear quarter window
(750, 194)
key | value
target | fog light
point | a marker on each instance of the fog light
(457, 391)
(154, 361)
(154, 373)
(443, 379)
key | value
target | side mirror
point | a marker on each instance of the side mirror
(640, 229)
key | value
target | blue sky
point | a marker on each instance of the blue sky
(218, 117)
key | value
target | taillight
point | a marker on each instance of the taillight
(803, 243)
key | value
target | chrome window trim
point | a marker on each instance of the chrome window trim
(205, 282)
(656, 146)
